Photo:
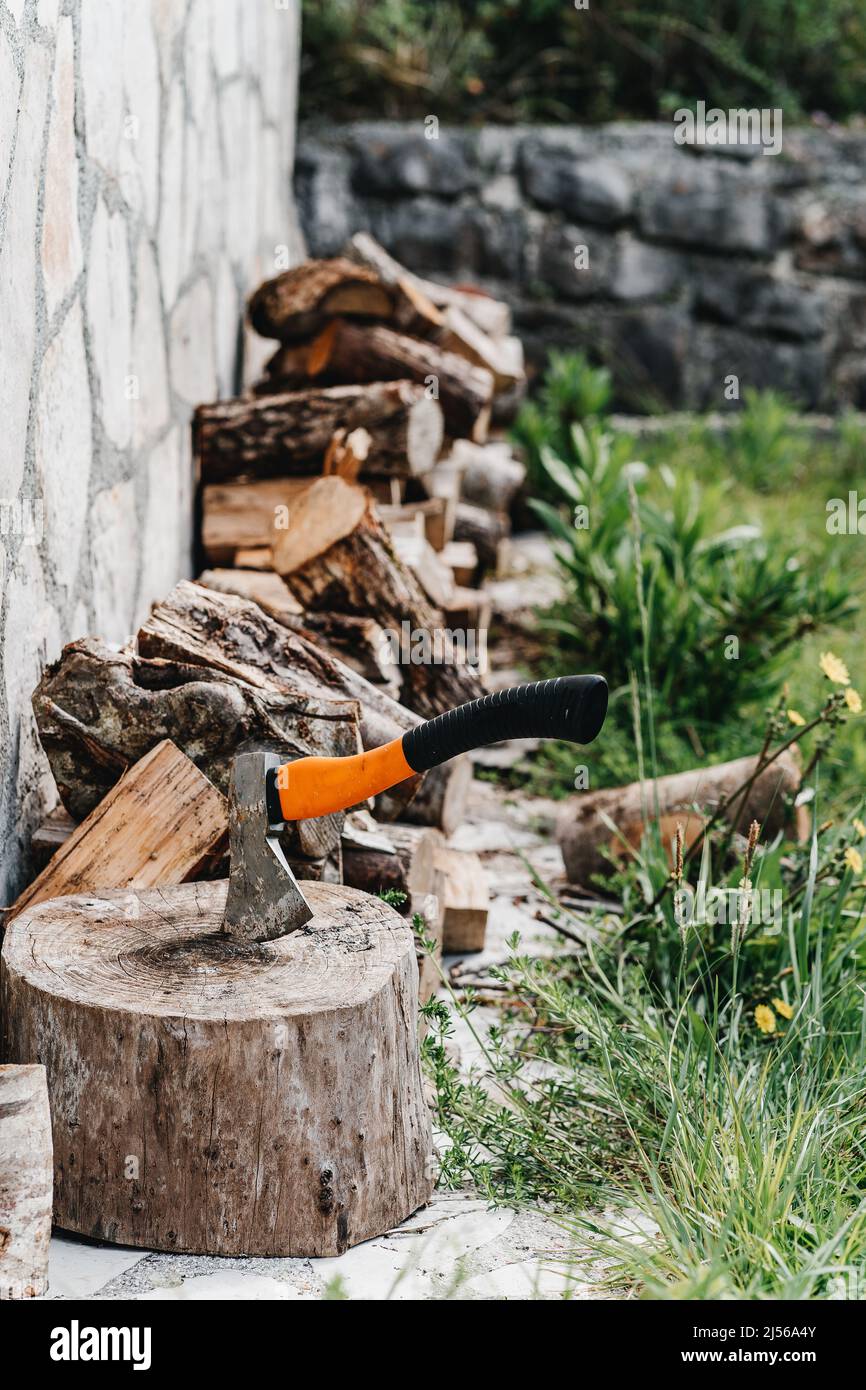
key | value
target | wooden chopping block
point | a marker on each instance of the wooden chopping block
(228, 1099)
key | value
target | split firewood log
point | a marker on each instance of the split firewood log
(299, 301)
(502, 357)
(290, 432)
(358, 642)
(492, 477)
(240, 516)
(346, 454)
(460, 883)
(346, 352)
(490, 315)
(99, 710)
(337, 556)
(432, 517)
(590, 847)
(162, 823)
(461, 557)
(201, 627)
(435, 578)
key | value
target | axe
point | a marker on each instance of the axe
(264, 900)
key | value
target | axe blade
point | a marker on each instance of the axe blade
(264, 900)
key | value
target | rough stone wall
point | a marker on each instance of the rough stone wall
(701, 263)
(146, 149)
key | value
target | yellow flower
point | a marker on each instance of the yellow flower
(853, 701)
(782, 1008)
(859, 826)
(796, 717)
(765, 1018)
(834, 669)
(854, 860)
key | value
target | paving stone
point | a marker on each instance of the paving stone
(80, 1268)
(10, 85)
(172, 197)
(226, 1285)
(63, 445)
(191, 345)
(166, 522)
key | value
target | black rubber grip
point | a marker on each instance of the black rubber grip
(570, 707)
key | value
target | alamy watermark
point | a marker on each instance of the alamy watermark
(438, 646)
(737, 126)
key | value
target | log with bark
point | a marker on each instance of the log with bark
(242, 640)
(162, 823)
(590, 847)
(299, 301)
(337, 556)
(228, 1100)
(99, 710)
(290, 432)
(490, 315)
(358, 642)
(346, 352)
(398, 858)
(26, 1179)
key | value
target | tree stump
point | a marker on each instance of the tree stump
(25, 1182)
(214, 1097)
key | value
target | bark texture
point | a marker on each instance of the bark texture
(99, 710)
(358, 572)
(347, 352)
(218, 1098)
(589, 847)
(297, 302)
(290, 432)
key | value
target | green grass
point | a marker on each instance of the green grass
(632, 1076)
(690, 1098)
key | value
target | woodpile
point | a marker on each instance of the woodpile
(332, 491)
(351, 503)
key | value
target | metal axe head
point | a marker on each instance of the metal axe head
(264, 899)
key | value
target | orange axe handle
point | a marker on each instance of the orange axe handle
(569, 707)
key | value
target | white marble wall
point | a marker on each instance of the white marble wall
(146, 149)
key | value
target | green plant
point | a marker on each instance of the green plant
(764, 446)
(724, 608)
(510, 60)
(701, 1086)
(572, 391)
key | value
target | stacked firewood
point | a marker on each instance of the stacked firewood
(355, 490)
(352, 503)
